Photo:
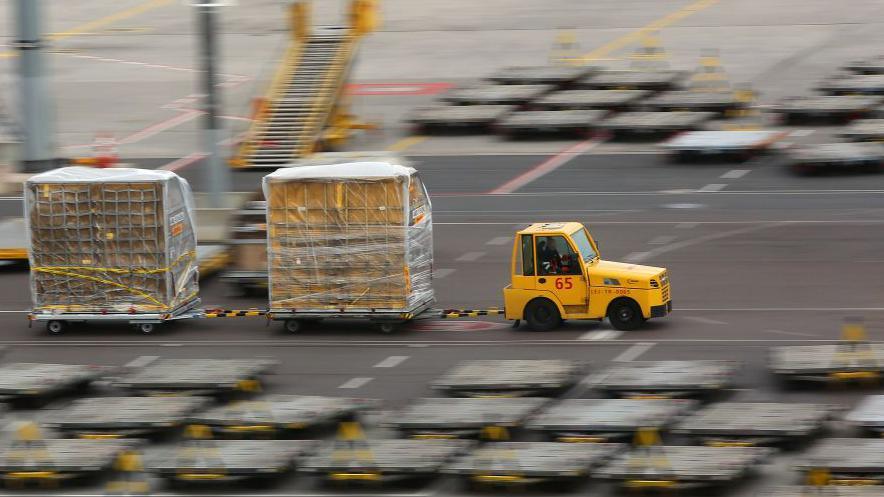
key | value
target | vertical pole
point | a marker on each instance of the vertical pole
(218, 172)
(38, 149)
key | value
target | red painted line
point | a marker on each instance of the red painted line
(161, 126)
(397, 89)
(179, 164)
(545, 167)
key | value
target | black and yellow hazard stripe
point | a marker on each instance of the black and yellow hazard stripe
(221, 313)
(470, 313)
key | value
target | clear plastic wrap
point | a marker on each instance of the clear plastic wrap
(110, 240)
(350, 237)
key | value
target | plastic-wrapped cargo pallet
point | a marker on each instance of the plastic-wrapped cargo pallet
(349, 237)
(111, 240)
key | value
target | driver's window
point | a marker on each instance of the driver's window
(554, 256)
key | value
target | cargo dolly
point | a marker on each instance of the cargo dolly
(632, 80)
(736, 144)
(196, 376)
(848, 461)
(815, 491)
(694, 101)
(850, 156)
(458, 117)
(872, 65)
(654, 124)
(119, 417)
(48, 462)
(590, 99)
(57, 321)
(273, 415)
(220, 461)
(864, 130)
(555, 75)
(755, 423)
(869, 414)
(495, 94)
(680, 467)
(605, 420)
(827, 108)
(871, 84)
(36, 382)
(836, 362)
(510, 378)
(547, 122)
(379, 461)
(664, 379)
(386, 320)
(443, 418)
(526, 463)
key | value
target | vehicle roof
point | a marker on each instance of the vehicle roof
(558, 227)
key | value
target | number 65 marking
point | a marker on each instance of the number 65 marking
(564, 284)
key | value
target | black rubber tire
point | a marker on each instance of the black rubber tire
(387, 328)
(146, 328)
(542, 315)
(293, 325)
(56, 327)
(625, 315)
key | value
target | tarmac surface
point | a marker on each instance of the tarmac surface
(758, 257)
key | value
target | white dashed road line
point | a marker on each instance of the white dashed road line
(470, 257)
(142, 361)
(633, 352)
(500, 240)
(600, 335)
(636, 256)
(442, 272)
(698, 319)
(735, 174)
(662, 240)
(355, 382)
(685, 226)
(790, 333)
(713, 187)
(392, 361)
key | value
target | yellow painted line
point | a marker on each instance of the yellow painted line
(92, 26)
(406, 143)
(634, 36)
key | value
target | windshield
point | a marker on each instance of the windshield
(584, 245)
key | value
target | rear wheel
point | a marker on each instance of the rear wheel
(542, 315)
(293, 325)
(625, 315)
(146, 328)
(55, 327)
(387, 328)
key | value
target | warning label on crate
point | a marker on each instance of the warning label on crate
(176, 223)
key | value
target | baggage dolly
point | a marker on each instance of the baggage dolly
(465, 118)
(495, 94)
(829, 108)
(746, 424)
(37, 383)
(532, 75)
(590, 99)
(872, 84)
(848, 461)
(122, 417)
(872, 65)
(654, 124)
(666, 379)
(734, 144)
(509, 378)
(445, 418)
(827, 491)
(530, 123)
(840, 157)
(57, 321)
(531, 463)
(275, 415)
(197, 376)
(846, 361)
(632, 80)
(386, 320)
(868, 415)
(863, 130)
(693, 101)
(606, 420)
(48, 462)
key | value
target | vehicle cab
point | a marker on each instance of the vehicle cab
(557, 273)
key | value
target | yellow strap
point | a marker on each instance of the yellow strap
(104, 281)
(116, 270)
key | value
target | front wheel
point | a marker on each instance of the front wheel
(55, 327)
(625, 315)
(542, 315)
(146, 328)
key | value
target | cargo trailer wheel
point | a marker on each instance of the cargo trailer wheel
(542, 315)
(146, 328)
(625, 315)
(293, 325)
(55, 327)
(387, 328)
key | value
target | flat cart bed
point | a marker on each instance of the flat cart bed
(632, 80)
(521, 462)
(869, 414)
(509, 377)
(723, 142)
(824, 362)
(57, 321)
(836, 156)
(601, 420)
(272, 413)
(373, 315)
(59, 459)
(872, 65)
(694, 101)
(219, 460)
(376, 460)
(654, 123)
(672, 466)
(829, 107)
(550, 121)
(458, 116)
(14, 242)
(864, 130)
(555, 75)
(495, 94)
(454, 417)
(111, 417)
(25, 380)
(666, 378)
(590, 99)
(850, 460)
(870, 84)
(754, 423)
(195, 375)
(828, 491)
